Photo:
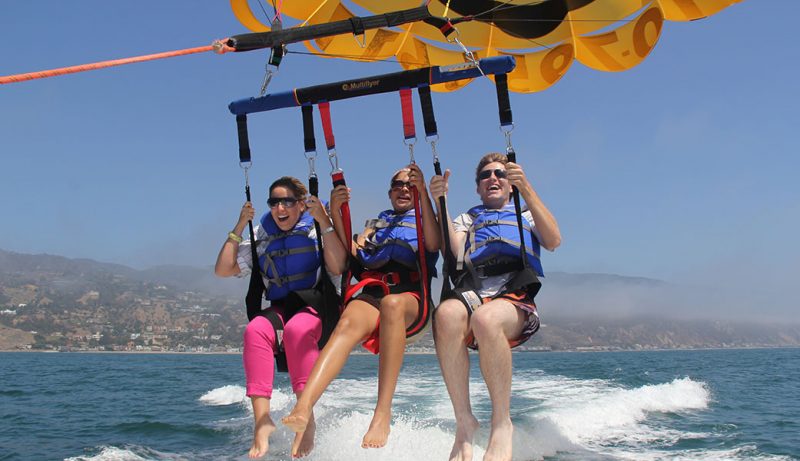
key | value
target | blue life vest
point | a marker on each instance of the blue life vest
(493, 238)
(394, 240)
(290, 259)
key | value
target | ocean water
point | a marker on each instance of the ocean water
(667, 405)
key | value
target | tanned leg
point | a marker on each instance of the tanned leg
(264, 427)
(450, 331)
(397, 312)
(357, 322)
(493, 324)
(304, 441)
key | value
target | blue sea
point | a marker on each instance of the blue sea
(666, 405)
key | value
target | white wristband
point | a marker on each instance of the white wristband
(327, 230)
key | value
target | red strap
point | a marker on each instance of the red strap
(408, 113)
(365, 282)
(338, 178)
(327, 127)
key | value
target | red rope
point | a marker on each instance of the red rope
(218, 46)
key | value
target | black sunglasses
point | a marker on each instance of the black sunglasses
(486, 174)
(397, 184)
(287, 202)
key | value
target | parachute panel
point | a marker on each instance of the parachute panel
(689, 10)
(624, 47)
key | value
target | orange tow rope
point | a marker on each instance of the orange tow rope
(218, 47)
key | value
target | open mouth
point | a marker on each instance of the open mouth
(283, 218)
(494, 187)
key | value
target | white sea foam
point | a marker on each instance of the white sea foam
(129, 454)
(612, 415)
(225, 395)
(554, 416)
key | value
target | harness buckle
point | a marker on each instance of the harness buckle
(391, 279)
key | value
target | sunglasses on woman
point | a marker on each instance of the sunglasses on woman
(486, 174)
(287, 202)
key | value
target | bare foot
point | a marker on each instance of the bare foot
(499, 448)
(462, 447)
(378, 432)
(304, 441)
(263, 429)
(298, 419)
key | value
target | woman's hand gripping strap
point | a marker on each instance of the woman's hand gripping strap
(337, 177)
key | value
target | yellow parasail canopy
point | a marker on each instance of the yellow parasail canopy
(545, 36)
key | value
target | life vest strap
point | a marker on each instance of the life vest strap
(290, 251)
(279, 281)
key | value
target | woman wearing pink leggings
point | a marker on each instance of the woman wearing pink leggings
(291, 271)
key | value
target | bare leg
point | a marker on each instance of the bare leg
(304, 441)
(397, 313)
(357, 322)
(493, 324)
(450, 331)
(264, 427)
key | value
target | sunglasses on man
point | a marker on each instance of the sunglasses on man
(486, 174)
(397, 184)
(287, 202)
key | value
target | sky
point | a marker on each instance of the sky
(681, 169)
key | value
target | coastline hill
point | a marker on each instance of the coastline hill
(57, 303)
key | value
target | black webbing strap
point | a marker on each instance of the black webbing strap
(431, 132)
(280, 352)
(512, 157)
(426, 102)
(308, 129)
(507, 119)
(503, 102)
(255, 289)
(244, 140)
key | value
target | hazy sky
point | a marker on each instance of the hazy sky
(682, 169)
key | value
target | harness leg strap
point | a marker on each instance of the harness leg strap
(277, 325)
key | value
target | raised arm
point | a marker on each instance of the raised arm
(545, 222)
(227, 265)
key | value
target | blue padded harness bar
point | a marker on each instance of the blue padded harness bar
(384, 83)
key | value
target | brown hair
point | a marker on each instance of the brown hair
(487, 159)
(293, 184)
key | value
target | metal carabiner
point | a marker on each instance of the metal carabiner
(311, 158)
(410, 142)
(334, 161)
(469, 55)
(507, 133)
(432, 140)
(246, 167)
(267, 78)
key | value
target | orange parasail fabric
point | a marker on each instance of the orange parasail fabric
(545, 36)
